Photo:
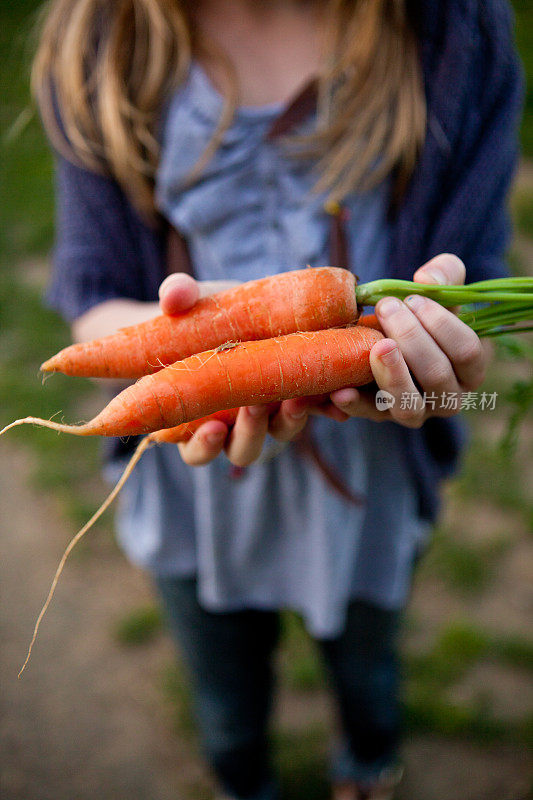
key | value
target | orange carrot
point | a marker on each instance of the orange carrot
(371, 321)
(185, 431)
(300, 300)
(234, 375)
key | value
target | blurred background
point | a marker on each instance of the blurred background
(103, 710)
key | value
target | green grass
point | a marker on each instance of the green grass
(459, 647)
(26, 201)
(29, 333)
(522, 204)
(177, 694)
(489, 473)
(465, 568)
(524, 40)
(517, 651)
(301, 667)
(425, 713)
(139, 626)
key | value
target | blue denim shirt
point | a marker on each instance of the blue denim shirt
(279, 535)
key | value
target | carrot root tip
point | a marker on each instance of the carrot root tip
(45, 376)
(44, 423)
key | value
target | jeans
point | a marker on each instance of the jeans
(229, 659)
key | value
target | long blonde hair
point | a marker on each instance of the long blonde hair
(106, 67)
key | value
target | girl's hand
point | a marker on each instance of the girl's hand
(430, 358)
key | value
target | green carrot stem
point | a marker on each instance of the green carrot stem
(493, 309)
(370, 293)
(503, 283)
(502, 331)
(505, 301)
(501, 313)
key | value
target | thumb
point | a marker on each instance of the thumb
(445, 269)
(177, 293)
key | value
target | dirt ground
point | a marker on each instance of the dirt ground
(88, 718)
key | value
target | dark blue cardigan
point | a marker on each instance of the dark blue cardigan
(456, 201)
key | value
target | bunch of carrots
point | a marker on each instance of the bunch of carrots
(294, 334)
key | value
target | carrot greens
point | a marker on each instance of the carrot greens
(501, 304)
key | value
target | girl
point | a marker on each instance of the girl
(226, 139)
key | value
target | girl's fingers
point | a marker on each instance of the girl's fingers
(319, 405)
(177, 293)
(180, 291)
(247, 436)
(359, 403)
(428, 363)
(459, 342)
(205, 445)
(289, 420)
(392, 376)
(445, 269)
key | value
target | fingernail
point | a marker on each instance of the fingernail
(257, 411)
(391, 357)
(415, 301)
(388, 306)
(215, 438)
(169, 280)
(437, 275)
(298, 414)
(345, 397)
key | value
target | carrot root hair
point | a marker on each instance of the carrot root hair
(45, 423)
(142, 447)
